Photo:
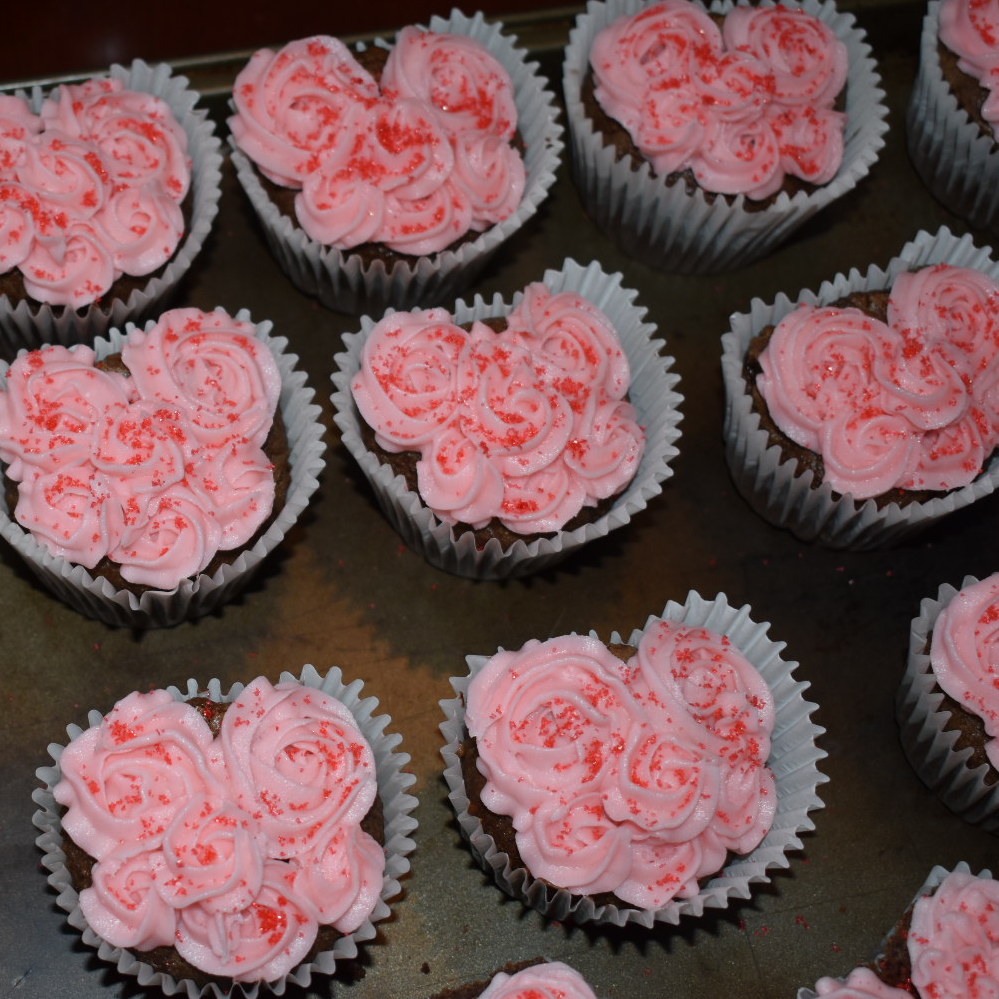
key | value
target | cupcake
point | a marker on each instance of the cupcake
(147, 477)
(639, 781)
(108, 189)
(683, 188)
(487, 498)
(950, 125)
(947, 705)
(240, 869)
(944, 946)
(882, 450)
(541, 980)
(430, 184)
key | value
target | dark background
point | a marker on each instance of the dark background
(50, 39)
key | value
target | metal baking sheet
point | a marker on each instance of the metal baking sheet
(344, 591)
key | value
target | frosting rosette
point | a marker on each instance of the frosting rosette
(909, 403)
(629, 777)
(127, 778)
(549, 980)
(297, 762)
(964, 654)
(294, 105)
(413, 161)
(158, 468)
(186, 832)
(735, 104)
(527, 425)
(953, 940)
(98, 177)
(410, 388)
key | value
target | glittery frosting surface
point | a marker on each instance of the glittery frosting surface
(413, 161)
(90, 189)
(964, 654)
(233, 849)
(551, 980)
(970, 29)
(742, 105)
(908, 403)
(953, 940)
(156, 470)
(861, 983)
(633, 778)
(527, 425)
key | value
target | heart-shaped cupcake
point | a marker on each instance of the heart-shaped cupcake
(413, 160)
(519, 429)
(635, 781)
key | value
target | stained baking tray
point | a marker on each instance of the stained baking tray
(344, 591)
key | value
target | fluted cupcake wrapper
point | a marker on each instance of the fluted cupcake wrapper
(927, 745)
(794, 760)
(96, 597)
(773, 486)
(652, 393)
(31, 324)
(393, 781)
(665, 226)
(933, 880)
(340, 279)
(956, 161)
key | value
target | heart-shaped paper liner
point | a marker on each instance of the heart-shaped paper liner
(793, 759)
(955, 160)
(343, 282)
(667, 227)
(393, 780)
(652, 393)
(772, 485)
(926, 740)
(193, 597)
(31, 325)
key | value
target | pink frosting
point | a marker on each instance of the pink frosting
(528, 426)
(964, 654)
(90, 189)
(158, 470)
(741, 106)
(907, 404)
(234, 849)
(970, 29)
(414, 161)
(861, 983)
(953, 938)
(552, 980)
(635, 778)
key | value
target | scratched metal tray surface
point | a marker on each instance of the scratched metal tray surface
(343, 591)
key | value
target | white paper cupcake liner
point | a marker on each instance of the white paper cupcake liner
(32, 324)
(928, 747)
(955, 160)
(393, 781)
(197, 596)
(933, 880)
(666, 227)
(773, 486)
(794, 760)
(343, 283)
(652, 392)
